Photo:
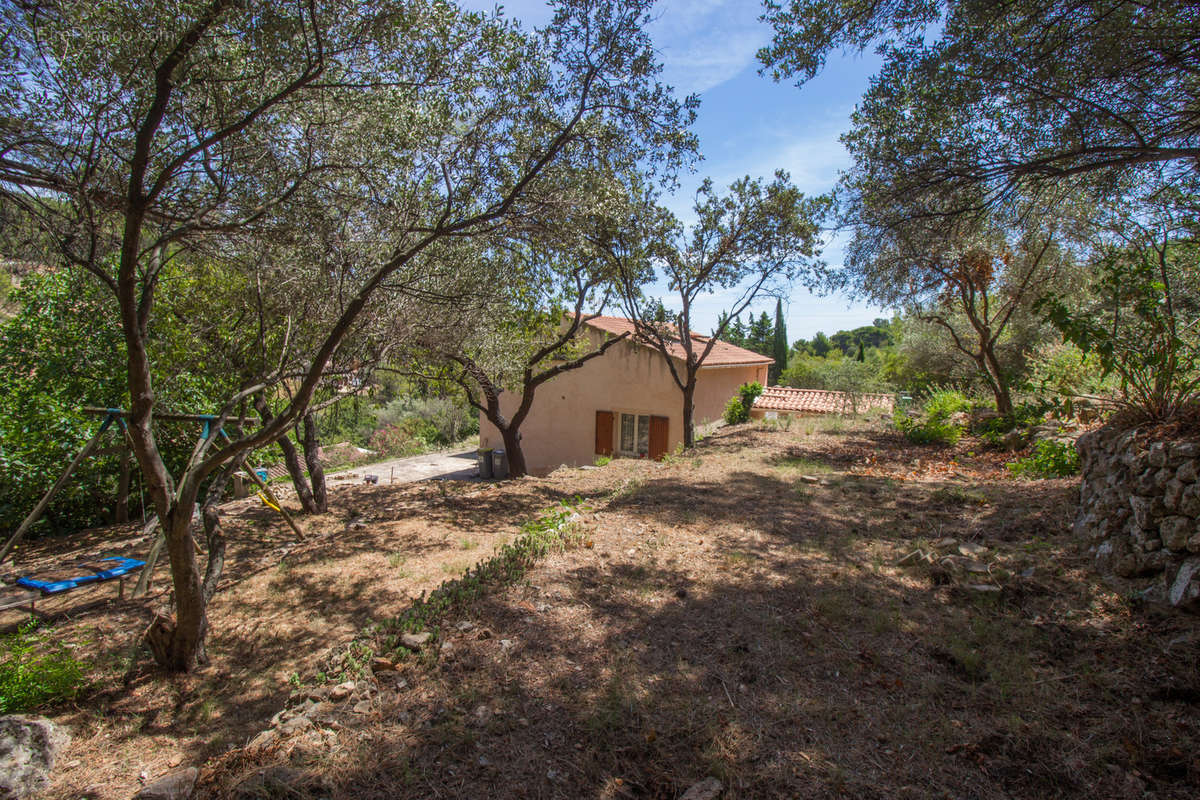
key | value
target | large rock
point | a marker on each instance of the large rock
(28, 748)
(177, 785)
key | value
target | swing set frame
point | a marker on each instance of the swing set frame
(117, 415)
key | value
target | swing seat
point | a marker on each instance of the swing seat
(66, 578)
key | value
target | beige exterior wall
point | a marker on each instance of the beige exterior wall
(561, 426)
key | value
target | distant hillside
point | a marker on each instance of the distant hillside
(11, 274)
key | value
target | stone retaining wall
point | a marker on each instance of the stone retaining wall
(1139, 510)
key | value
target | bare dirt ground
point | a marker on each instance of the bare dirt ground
(739, 613)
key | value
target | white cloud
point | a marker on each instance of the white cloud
(704, 43)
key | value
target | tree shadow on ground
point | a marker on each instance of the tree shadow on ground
(753, 627)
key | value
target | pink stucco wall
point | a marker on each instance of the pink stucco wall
(561, 426)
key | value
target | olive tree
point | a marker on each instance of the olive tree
(137, 131)
(978, 100)
(751, 243)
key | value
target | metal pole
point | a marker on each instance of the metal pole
(40, 508)
(271, 496)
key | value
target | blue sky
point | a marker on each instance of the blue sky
(749, 125)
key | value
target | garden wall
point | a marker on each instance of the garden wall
(1139, 510)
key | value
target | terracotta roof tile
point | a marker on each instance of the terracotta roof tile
(723, 354)
(819, 401)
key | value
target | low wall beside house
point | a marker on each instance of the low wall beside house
(1139, 510)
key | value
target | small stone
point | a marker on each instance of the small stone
(465, 626)
(810, 479)
(1185, 587)
(972, 549)
(948, 543)
(1141, 507)
(983, 588)
(506, 644)
(1189, 501)
(1157, 454)
(1027, 572)
(415, 640)
(381, 665)
(262, 739)
(482, 714)
(447, 647)
(1175, 532)
(362, 707)
(975, 566)
(911, 558)
(295, 725)
(707, 789)
(173, 786)
(1186, 450)
(341, 691)
(1172, 494)
(1186, 472)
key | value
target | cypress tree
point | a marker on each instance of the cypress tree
(779, 349)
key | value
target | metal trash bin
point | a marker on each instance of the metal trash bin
(484, 455)
(499, 465)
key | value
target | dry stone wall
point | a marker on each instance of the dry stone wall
(1139, 510)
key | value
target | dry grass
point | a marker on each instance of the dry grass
(727, 618)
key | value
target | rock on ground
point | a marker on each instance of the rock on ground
(28, 748)
(176, 785)
(707, 789)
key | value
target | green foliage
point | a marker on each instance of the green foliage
(1143, 326)
(1060, 369)
(603, 461)
(435, 421)
(54, 360)
(735, 411)
(738, 408)
(929, 431)
(34, 671)
(933, 425)
(1050, 459)
(941, 404)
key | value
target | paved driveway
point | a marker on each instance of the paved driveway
(459, 465)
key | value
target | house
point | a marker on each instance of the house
(777, 400)
(624, 403)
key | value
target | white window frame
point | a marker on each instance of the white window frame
(637, 416)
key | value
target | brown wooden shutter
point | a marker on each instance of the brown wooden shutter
(658, 437)
(604, 433)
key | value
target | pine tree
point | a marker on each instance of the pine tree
(779, 350)
(759, 338)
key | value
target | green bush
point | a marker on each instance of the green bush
(1049, 459)
(933, 426)
(34, 672)
(738, 408)
(928, 432)
(735, 411)
(944, 403)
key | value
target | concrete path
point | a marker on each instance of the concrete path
(458, 465)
